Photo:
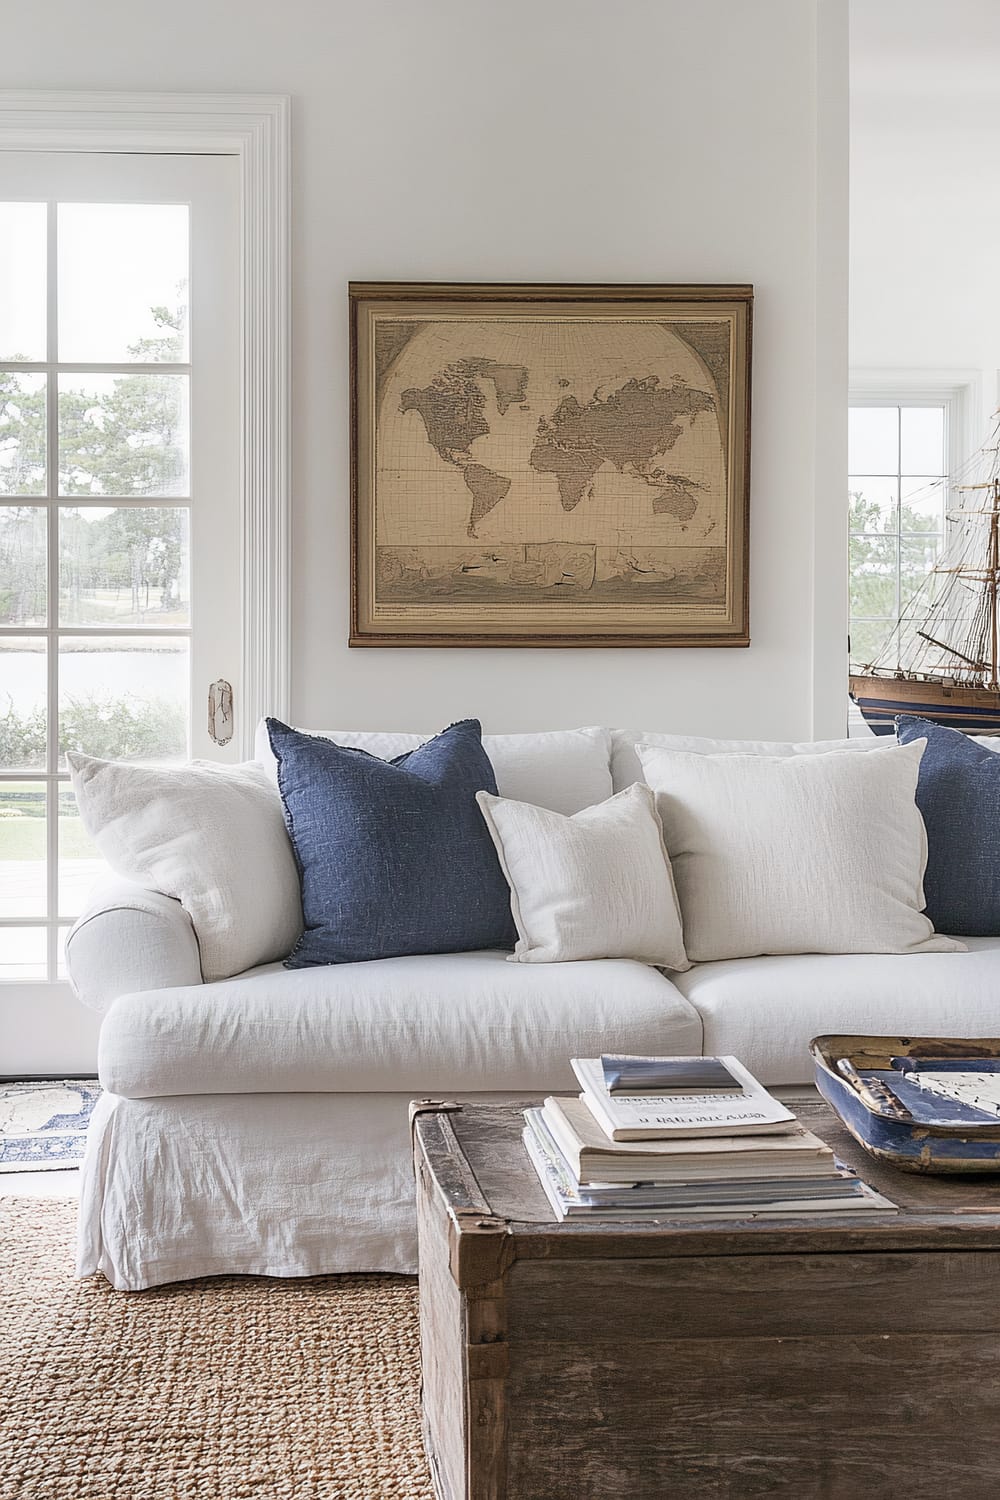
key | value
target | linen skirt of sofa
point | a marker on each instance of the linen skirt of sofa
(767, 1010)
(456, 1022)
(265, 1185)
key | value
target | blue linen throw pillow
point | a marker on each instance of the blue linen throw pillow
(958, 794)
(393, 856)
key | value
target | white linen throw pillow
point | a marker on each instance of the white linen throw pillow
(798, 854)
(596, 884)
(211, 836)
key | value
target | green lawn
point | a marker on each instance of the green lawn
(23, 837)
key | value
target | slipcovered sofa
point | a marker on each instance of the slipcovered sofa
(258, 1124)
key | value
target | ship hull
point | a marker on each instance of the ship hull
(880, 699)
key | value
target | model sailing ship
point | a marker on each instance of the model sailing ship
(940, 661)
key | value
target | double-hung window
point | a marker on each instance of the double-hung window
(899, 456)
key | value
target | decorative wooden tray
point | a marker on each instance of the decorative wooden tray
(884, 1127)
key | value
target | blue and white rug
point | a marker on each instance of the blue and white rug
(43, 1125)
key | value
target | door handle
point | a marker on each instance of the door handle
(220, 712)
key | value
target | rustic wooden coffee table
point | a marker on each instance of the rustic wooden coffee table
(820, 1359)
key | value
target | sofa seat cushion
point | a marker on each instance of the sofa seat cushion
(447, 1023)
(766, 1010)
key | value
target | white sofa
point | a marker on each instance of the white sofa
(258, 1124)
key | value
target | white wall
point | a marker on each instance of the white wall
(925, 210)
(652, 140)
(573, 140)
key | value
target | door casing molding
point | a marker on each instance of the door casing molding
(255, 128)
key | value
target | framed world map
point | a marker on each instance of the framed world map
(550, 465)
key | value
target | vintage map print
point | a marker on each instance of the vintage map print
(550, 465)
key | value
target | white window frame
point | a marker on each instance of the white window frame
(957, 391)
(53, 1032)
(255, 129)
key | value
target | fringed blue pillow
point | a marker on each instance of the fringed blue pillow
(958, 794)
(394, 856)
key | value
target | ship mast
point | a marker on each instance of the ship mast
(992, 582)
(949, 630)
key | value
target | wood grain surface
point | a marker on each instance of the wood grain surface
(935, 1213)
(723, 1360)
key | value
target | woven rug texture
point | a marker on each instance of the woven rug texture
(219, 1389)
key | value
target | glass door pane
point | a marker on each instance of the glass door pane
(22, 849)
(124, 697)
(119, 522)
(124, 435)
(123, 282)
(124, 565)
(22, 433)
(23, 295)
(23, 695)
(80, 865)
(23, 565)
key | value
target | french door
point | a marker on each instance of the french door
(119, 505)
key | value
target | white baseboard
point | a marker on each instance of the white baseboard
(48, 1034)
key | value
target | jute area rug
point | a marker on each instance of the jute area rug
(220, 1389)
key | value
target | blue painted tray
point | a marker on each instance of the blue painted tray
(882, 1126)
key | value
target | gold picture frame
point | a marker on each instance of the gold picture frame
(538, 465)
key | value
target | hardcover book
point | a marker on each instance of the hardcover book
(594, 1157)
(651, 1117)
(836, 1194)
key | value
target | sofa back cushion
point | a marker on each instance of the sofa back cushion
(625, 767)
(564, 770)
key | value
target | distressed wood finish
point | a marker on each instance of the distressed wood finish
(723, 1361)
(463, 1343)
(831, 1418)
(882, 1126)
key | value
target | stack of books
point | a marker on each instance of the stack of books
(682, 1138)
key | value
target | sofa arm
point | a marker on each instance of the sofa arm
(130, 939)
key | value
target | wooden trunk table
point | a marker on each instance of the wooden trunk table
(814, 1357)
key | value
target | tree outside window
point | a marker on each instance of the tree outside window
(898, 497)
